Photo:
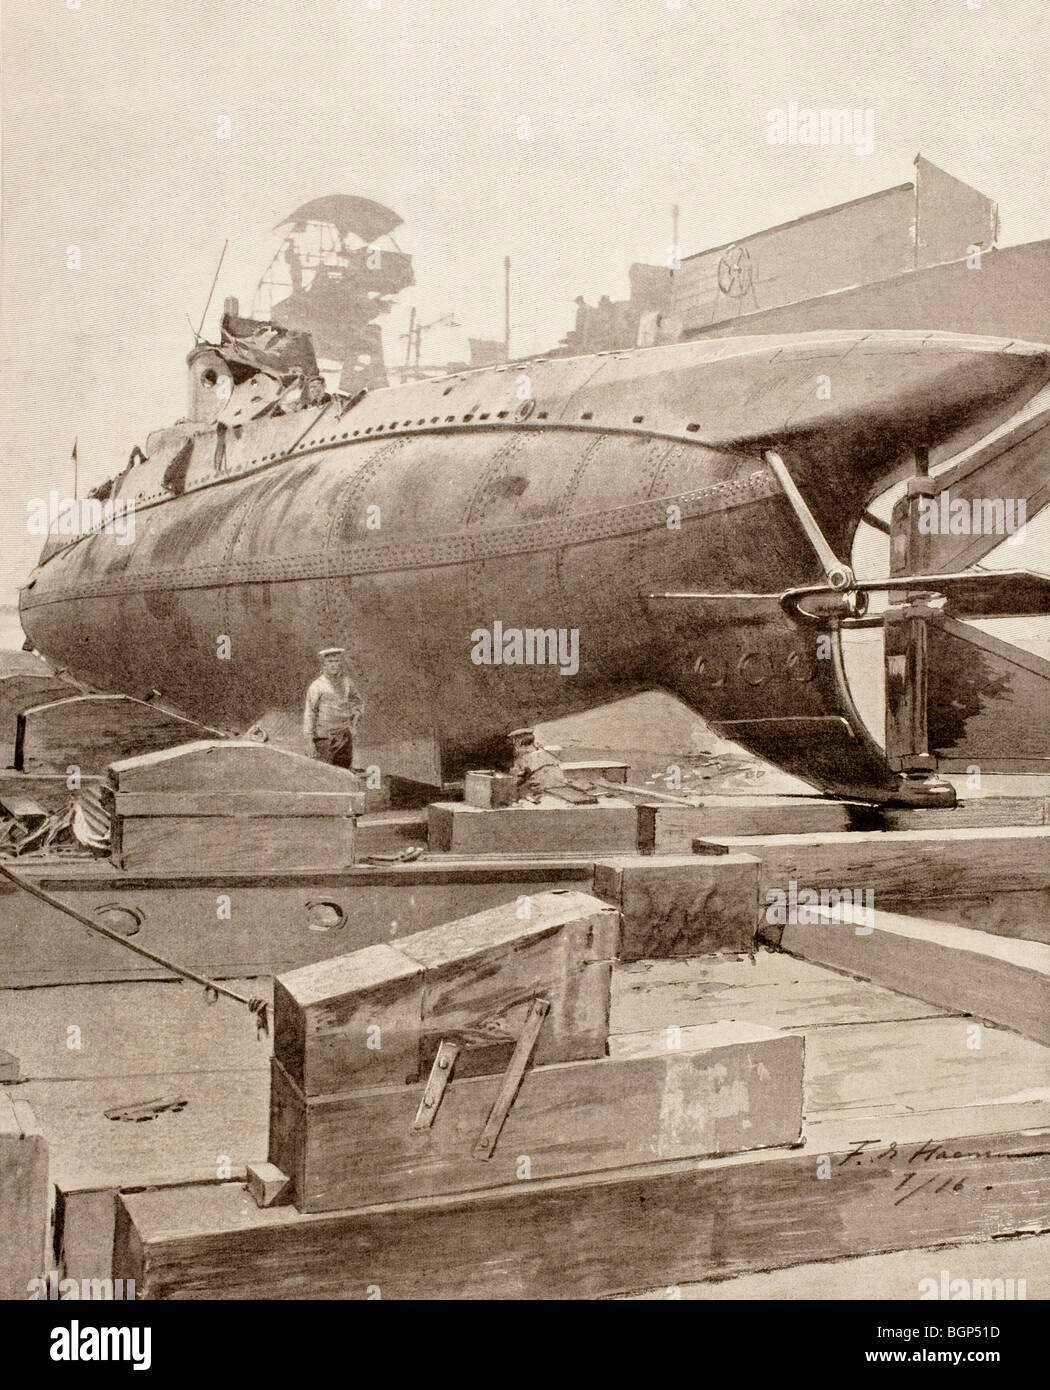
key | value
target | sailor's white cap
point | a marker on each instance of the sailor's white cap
(522, 733)
(331, 651)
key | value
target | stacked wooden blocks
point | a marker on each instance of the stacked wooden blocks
(355, 1038)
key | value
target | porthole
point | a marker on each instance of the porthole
(324, 915)
(711, 670)
(753, 667)
(118, 918)
(800, 666)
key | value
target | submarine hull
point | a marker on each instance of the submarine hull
(552, 497)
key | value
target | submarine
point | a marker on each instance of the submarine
(676, 515)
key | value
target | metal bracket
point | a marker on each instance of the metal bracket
(437, 1084)
(512, 1078)
(838, 574)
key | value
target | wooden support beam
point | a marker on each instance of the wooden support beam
(992, 977)
(354, 1020)
(25, 1199)
(481, 973)
(678, 826)
(682, 905)
(904, 865)
(597, 1235)
(612, 827)
(732, 1087)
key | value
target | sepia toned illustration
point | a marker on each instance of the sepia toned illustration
(526, 718)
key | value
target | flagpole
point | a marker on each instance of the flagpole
(75, 470)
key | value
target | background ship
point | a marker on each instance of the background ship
(920, 255)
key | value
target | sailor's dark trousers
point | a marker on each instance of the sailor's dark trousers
(337, 748)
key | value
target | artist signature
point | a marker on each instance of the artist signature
(928, 1152)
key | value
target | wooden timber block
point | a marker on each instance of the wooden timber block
(487, 789)
(227, 765)
(93, 730)
(678, 826)
(608, 828)
(9, 1068)
(1001, 979)
(377, 1015)
(22, 688)
(902, 865)
(738, 1087)
(682, 905)
(230, 844)
(84, 1221)
(267, 1184)
(225, 805)
(970, 813)
(25, 1198)
(482, 971)
(594, 1235)
(354, 1020)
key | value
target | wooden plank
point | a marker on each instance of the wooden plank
(997, 978)
(768, 988)
(586, 1237)
(1020, 1269)
(222, 1128)
(210, 843)
(737, 1087)
(268, 930)
(907, 865)
(24, 808)
(25, 1198)
(483, 971)
(682, 905)
(353, 1020)
(609, 828)
(600, 767)
(234, 803)
(873, 1074)
(678, 826)
(982, 812)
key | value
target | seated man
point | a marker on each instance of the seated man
(540, 773)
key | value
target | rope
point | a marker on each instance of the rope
(257, 1007)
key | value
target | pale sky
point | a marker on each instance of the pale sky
(109, 143)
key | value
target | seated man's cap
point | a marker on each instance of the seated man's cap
(331, 651)
(521, 733)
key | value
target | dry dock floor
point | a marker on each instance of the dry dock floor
(880, 1067)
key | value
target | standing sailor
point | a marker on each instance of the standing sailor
(333, 708)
